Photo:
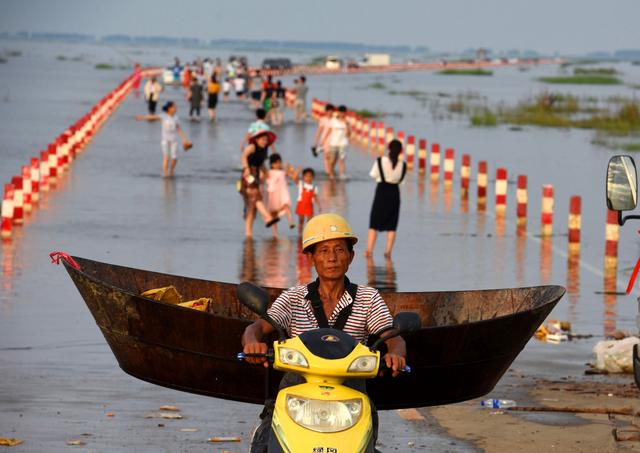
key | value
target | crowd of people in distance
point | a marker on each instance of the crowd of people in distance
(265, 179)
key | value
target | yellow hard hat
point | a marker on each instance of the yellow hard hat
(324, 227)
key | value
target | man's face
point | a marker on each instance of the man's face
(332, 259)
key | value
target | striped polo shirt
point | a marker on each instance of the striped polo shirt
(369, 314)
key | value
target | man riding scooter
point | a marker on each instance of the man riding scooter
(330, 301)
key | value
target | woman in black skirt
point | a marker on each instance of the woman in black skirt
(389, 172)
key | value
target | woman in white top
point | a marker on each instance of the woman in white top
(170, 131)
(389, 172)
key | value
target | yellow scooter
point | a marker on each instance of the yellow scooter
(322, 415)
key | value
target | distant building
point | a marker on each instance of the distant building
(481, 54)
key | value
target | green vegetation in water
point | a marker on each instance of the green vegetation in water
(484, 118)
(378, 86)
(630, 147)
(369, 114)
(635, 87)
(595, 71)
(621, 118)
(104, 66)
(410, 93)
(582, 79)
(3, 60)
(466, 72)
(318, 61)
(14, 53)
(61, 58)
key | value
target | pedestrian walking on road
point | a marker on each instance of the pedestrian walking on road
(307, 197)
(337, 138)
(254, 174)
(259, 124)
(319, 142)
(301, 100)
(213, 88)
(278, 197)
(152, 91)
(388, 171)
(195, 99)
(171, 130)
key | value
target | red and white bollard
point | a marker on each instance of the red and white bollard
(364, 136)
(389, 136)
(400, 138)
(373, 133)
(44, 171)
(26, 189)
(7, 211)
(35, 180)
(411, 151)
(381, 133)
(546, 220)
(611, 237)
(522, 199)
(449, 166)
(501, 190)
(422, 156)
(575, 223)
(18, 212)
(435, 162)
(53, 163)
(482, 184)
(465, 174)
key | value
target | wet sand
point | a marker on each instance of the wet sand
(496, 430)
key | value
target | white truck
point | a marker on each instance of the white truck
(376, 59)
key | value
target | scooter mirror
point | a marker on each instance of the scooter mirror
(256, 299)
(407, 322)
(622, 186)
(253, 297)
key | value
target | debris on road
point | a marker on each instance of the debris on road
(166, 415)
(223, 439)
(10, 441)
(615, 356)
(170, 408)
(75, 442)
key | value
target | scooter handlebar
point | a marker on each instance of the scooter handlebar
(405, 370)
(243, 355)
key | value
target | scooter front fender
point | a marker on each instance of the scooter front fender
(294, 438)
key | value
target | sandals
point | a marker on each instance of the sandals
(272, 222)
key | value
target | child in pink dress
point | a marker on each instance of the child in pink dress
(307, 196)
(278, 198)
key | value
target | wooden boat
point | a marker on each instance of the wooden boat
(467, 342)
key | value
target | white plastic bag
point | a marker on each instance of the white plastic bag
(615, 356)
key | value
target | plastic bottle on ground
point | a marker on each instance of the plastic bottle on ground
(497, 403)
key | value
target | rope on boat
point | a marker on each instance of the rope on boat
(57, 256)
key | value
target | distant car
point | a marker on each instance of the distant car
(276, 63)
(332, 62)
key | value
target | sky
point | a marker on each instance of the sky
(563, 26)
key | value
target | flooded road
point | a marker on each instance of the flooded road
(58, 376)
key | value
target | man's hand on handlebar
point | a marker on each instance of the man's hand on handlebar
(394, 362)
(256, 348)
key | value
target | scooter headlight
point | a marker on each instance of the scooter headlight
(324, 416)
(292, 357)
(363, 364)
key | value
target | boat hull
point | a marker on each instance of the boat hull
(468, 340)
